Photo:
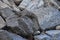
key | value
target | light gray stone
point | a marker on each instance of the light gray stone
(3, 5)
(11, 4)
(45, 14)
(7, 13)
(5, 35)
(55, 34)
(51, 18)
(31, 4)
(2, 22)
(42, 37)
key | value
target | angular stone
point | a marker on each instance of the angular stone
(47, 17)
(11, 4)
(32, 16)
(20, 25)
(3, 5)
(2, 22)
(44, 14)
(55, 34)
(42, 37)
(51, 18)
(6, 13)
(5, 35)
(31, 4)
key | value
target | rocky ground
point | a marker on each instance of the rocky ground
(29, 19)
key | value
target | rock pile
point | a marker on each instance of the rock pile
(29, 20)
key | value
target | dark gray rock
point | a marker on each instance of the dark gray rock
(55, 34)
(24, 25)
(5, 35)
(42, 37)
(2, 22)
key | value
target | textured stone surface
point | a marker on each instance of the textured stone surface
(4, 35)
(31, 4)
(2, 22)
(55, 34)
(42, 37)
(51, 19)
(44, 14)
(26, 24)
(20, 26)
(33, 17)
(3, 5)
(11, 4)
(7, 13)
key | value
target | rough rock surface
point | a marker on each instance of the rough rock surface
(51, 18)
(44, 14)
(29, 19)
(5, 35)
(42, 37)
(31, 4)
(2, 22)
(55, 34)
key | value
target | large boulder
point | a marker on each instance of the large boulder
(31, 4)
(3, 5)
(24, 25)
(48, 17)
(5, 35)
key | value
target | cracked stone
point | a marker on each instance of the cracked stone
(55, 34)
(2, 22)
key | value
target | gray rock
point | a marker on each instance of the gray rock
(22, 26)
(42, 37)
(5, 35)
(51, 18)
(31, 4)
(47, 17)
(55, 34)
(25, 25)
(3, 5)
(45, 14)
(11, 4)
(33, 17)
(2, 22)
(7, 13)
